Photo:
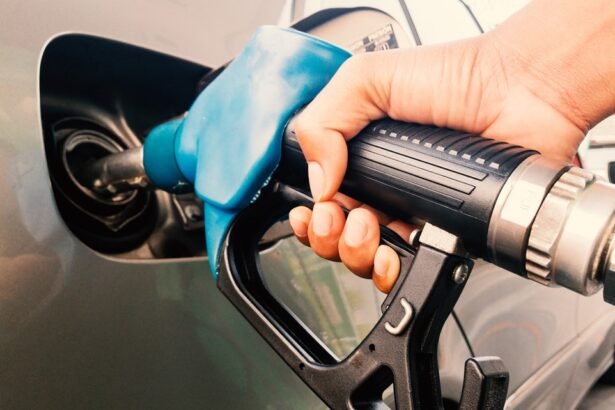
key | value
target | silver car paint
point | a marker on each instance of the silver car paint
(79, 329)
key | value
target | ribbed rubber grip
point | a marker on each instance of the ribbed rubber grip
(449, 178)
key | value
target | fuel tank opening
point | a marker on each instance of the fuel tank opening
(83, 149)
(107, 222)
(99, 99)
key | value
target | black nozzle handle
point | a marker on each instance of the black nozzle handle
(449, 178)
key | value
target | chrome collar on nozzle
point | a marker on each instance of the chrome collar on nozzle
(554, 224)
(570, 241)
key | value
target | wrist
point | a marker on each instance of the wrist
(562, 54)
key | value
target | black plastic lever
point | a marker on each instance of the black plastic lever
(485, 384)
(402, 347)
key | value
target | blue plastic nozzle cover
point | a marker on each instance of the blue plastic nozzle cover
(230, 142)
(159, 160)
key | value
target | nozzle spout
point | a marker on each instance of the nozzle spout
(115, 173)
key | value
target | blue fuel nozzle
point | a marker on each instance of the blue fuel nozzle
(229, 143)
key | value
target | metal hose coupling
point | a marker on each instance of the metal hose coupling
(571, 239)
(554, 224)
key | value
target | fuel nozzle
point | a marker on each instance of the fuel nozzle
(115, 173)
(565, 217)
(542, 219)
(571, 241)
(153, 165)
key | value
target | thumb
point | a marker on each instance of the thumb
(352, 99)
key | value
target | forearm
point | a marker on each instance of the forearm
(565, 50)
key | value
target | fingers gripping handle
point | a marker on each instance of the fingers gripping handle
(449, 178)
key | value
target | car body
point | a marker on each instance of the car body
(143, 328)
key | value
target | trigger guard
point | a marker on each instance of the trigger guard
(273, 205)
(407, 358)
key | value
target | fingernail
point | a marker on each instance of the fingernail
(317, 180)
(386, 268)
(299, 226)
(355, 232)
(322, 221)
(381, 267)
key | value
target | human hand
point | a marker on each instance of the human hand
(484, 85)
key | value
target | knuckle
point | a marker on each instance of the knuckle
(305, 128)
